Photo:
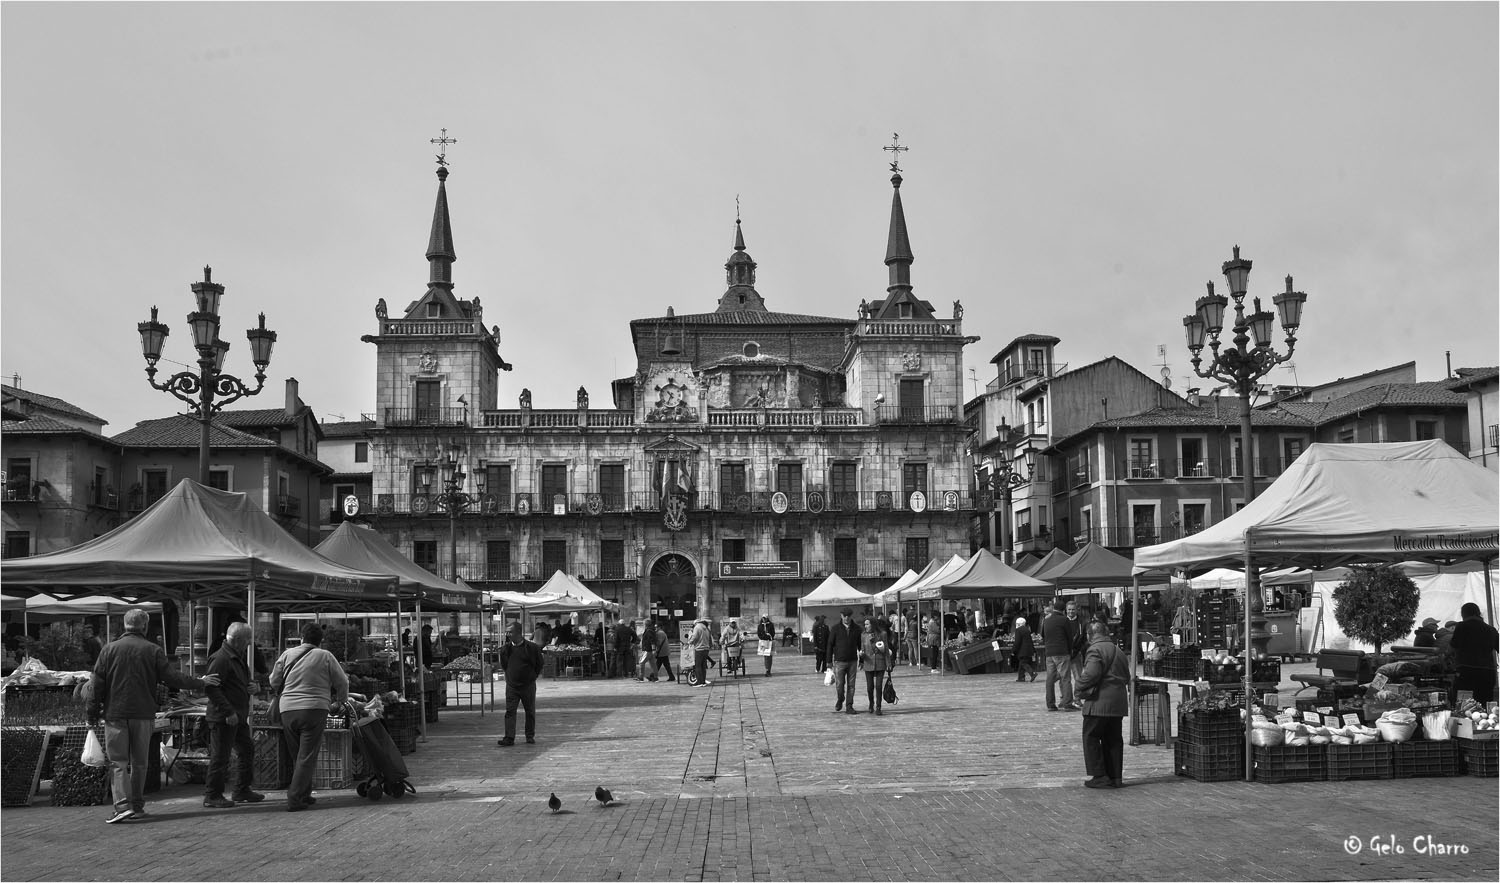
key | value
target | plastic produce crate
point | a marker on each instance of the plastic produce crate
(1152, 720)
(1182, 663)
(1287, 763)
(1214, 729)
(1372, 761)
(1208, 764)
(335, 768)
(269, 770)
(1479, 756)
(1426, 758)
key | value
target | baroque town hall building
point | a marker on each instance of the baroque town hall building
(751, 454)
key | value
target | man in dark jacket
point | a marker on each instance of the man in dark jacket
(624, 640)
(1057, 642)
(1426, 634)
(843, 642)
(1025, 651)
(124, 684)
(820, 633)
(521, 661)
(228, 716)
(1102, 683)
(1475, 643)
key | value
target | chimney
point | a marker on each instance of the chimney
(1193, 397)
(293, 404)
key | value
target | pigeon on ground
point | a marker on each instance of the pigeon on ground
(553, 803)
(602, 795)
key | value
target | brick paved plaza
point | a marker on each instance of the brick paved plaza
(755, 779)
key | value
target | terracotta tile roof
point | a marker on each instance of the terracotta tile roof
(347, 428)
(1025, 338)
(41, 424)
(1469, 376)
(1427, 394)
(745, 317)
(255, 417)
(49, 402)
(185, 432)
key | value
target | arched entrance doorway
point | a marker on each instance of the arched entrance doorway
(674, 592)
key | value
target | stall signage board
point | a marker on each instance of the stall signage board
(1312, 717)
(760, 570)
(1379, 682)
(1351, 720)
(1270, 700)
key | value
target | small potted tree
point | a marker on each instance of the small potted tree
(1377, 604)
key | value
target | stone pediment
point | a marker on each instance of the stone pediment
(671, 446)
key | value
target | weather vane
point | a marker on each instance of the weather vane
(442, 142)
(736, 208)
(896, 150)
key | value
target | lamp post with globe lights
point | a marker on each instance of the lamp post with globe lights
(1005, 479)
(209, 389)
(1250, 357)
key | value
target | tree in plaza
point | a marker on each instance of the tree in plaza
(1377, 604)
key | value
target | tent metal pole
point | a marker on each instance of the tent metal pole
(421, 678)
(484, 679)
(1489, 592)
(400, 650)
(1135, 664)
(249, 615)
(1249, 729)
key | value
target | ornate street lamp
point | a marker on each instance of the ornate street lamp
(209, 389)
(455, 501)
(1240, 366)
(1004, 479)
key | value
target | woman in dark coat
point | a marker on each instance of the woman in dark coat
(1025, 651)
(766, 633)
(877, 657)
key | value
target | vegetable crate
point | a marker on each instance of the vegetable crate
(1426, 758)
(975, 659)
(1209, 763)
(335, 769)
(1152, 720)
(1479, 756)
(1372, 761)
(1182, 663)
(1289, 763)
(269, 769)
(1218, 729)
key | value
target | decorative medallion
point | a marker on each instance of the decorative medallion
(950, 501)
(742, 504)
(917, 502)
(351, 506)
(385, 505)
(883, 500)
(779, 503)
(815, 502)
(490, 505)
(428, 361)
(593, 504)
(420, 504)
(911, 361)
(674, 513)
(523, 504)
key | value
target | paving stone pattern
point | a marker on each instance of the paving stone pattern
(754, 778)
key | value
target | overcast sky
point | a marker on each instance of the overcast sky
(1075, 170)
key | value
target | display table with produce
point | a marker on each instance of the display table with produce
(572, 660)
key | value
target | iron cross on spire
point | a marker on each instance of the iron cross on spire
(442, 142)
(896, 150)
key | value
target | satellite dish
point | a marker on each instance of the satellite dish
(1166, 377)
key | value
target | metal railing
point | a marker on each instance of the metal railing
(916, 415)
(431, 504)
(433, 416)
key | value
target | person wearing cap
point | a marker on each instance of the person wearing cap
(732, 640)
(1475, 643)
(843, 644)
(1426, 634)
(701, 640)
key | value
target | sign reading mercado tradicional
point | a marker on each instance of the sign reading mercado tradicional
(760, 569)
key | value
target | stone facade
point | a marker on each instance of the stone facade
(749, 455)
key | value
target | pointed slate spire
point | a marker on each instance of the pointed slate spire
(898, 256)
(440, 256)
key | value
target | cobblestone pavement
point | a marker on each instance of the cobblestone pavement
(756, 779)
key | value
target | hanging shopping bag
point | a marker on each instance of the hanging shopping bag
(93, 750)
(828, 677)
(889, 696)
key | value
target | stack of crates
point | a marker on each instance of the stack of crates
(1210, 746)
(1370, 761)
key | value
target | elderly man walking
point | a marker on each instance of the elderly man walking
(228, 717)
(1102, 685)
(124, 683)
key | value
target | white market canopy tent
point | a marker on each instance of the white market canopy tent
(1350, 503)
(92, 605)
(986, 577)
(561, 593)
(832, 594)
(888, 594)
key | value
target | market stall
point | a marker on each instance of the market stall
(562, 594)
(1341, 504)
(983, 577)
(197, 543)
(1053, 558)
(832, 595)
